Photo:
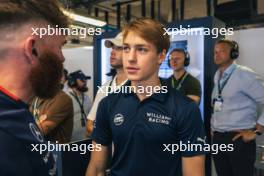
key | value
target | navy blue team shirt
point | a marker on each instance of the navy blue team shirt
(18, 131)
(139, 130)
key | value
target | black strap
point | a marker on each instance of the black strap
(81, 104)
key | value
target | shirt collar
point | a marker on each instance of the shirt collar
(229, 70)
(226, 73)
(9, 94)
(156, 96)
(114, 82)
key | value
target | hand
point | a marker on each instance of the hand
(247, 135)
(42, 118)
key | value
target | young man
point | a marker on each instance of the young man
(237, 92)
(140, 125)
(30, 66)
(181, 79)
(77, 82)
(119, 79)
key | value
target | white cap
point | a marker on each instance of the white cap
(117, 41)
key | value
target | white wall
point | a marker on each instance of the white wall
(80, 59)
(251, 48)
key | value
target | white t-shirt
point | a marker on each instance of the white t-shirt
(101, 93)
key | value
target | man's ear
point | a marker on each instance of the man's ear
(30, 50)
(162, 56)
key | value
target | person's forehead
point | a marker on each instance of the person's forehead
(222, 46)
(177, 53)
(132, 38)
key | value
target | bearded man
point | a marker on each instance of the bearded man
(30, 65)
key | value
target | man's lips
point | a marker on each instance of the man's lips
(132, 70)
(112, 59)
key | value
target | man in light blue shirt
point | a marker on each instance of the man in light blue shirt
(236, 95)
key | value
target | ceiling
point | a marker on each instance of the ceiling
(97, 9)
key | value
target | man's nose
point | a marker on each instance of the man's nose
(132, 55)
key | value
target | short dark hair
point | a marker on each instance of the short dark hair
(17, 12)
(231, 43)
(180, 50)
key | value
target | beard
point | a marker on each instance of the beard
(82, 89)
(46, 75)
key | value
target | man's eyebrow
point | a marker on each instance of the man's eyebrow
(137, 45)
(142, 45)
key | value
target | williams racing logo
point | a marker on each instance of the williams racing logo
(119, 119)
(36, 133)
(158, 118)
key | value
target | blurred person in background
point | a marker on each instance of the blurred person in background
(181, 79)
(77, 88)
(119, 77)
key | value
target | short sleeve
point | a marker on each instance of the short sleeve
(102, 131)
(99, 96)
(194, 87)
(191, 130)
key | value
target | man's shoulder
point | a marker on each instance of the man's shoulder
(245, 73)
(245, 70)
(64, 95)
(61, 98)
(192, 79)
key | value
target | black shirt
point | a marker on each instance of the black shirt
(188, 85)
(18, 132)
(139, 130)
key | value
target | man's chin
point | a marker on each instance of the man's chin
(116, 66)
(83, 89)
(134, 78)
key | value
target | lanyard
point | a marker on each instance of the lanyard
(35, 108)
(220, 88)
(81, 104)
(181, 82)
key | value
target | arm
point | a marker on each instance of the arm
(195, 98)
(101, 135)
(89, 127)
(249, 135)
(254, 90)
(194, 91)
(55, 114)
(193, 166)
(98, 162)
(191, 131)
(92, 114)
